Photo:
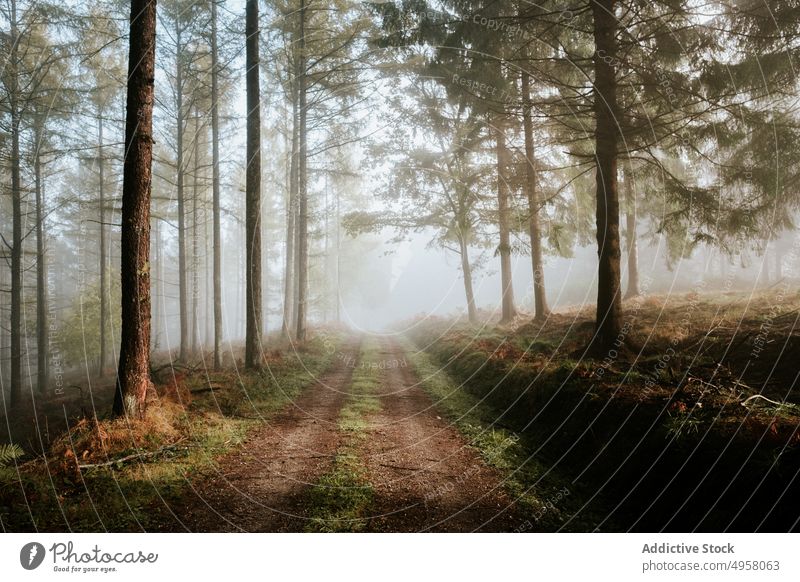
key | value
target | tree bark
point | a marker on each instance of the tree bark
(466, 271)
(609, 304)
(16, 202)
(5, 336)
(103, 252)
(253, 194)
(157, 288)
(182, 278)
(509, 310)
(41, 271)
(302, 184)
(630, 238)
(541, 309)
(216, 191)
(195, 240)
(208, 314)
(289, 283)
(338, 256)
(133, 378)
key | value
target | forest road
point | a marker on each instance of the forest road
(424, 475)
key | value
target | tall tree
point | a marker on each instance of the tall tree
(253, 191)
(606, 110)
(104, 71)
(541, 308)
(631, 242)
(133, 377)
(13, 67)
(319, 51)
(29, 77)
(508, 308)
(181, 24)
(215, 185)
(41, 261)
(302, 177)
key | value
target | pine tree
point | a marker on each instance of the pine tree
(253, 192)
(133, 377)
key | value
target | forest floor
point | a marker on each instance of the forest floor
(363, 449)
(454, 427)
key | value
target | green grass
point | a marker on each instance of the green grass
(682, 425)
(338, 501)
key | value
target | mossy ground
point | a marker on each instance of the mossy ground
(198, 417)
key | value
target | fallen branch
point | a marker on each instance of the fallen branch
(131, 457)
(754, 396)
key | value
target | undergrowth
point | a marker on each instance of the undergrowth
(120, 475)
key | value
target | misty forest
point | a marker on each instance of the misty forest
(399, 266)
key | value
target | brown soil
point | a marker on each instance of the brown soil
(261, 486)
(424, 475)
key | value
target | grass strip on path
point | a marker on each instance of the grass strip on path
(339, 499)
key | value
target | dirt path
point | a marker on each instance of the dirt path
(424, 475)
(261, 486)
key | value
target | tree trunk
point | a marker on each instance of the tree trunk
(302, 185)
(16, 202)
(103, 252)
(133, 380)
(630, 238)
(157, 288)
(182, 278)
(208, 315)
(541, 310)
(289, 323)
(296, 277)
(253, 194)
(466, 271)
(41, 272)
(216, 191)
(509, 311)
(195, 240)
(609, 305)
(338, 256)
(5, 337)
